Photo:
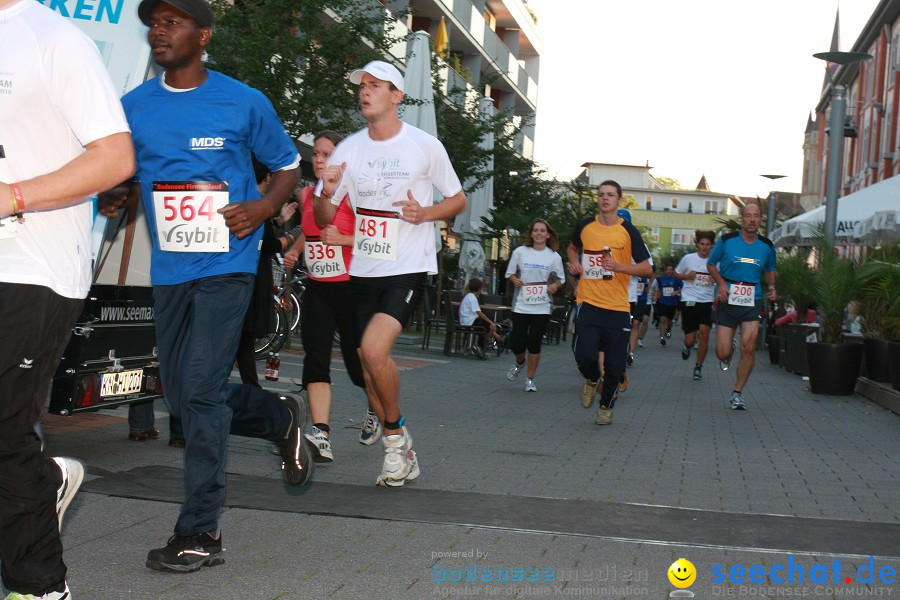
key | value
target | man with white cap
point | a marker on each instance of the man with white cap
(388, 170)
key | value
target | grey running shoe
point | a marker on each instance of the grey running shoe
(371, 429)
(737, 402)
(514, 371)
(697, 373)
(529, 385)
(724, 364)
(685, 352)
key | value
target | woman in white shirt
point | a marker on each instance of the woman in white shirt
(536, 271)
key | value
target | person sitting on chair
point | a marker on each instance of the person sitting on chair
(470, 314)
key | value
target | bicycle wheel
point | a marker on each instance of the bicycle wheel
(296, 307)
(272, 342)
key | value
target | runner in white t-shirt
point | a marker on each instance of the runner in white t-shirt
(388, 171)
(536, 271)
(63, 136)
(697, 297)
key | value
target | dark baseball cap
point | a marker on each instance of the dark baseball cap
(198, 10)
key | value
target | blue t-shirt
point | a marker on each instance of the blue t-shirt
(205, 134)
(671, 284)
(737, 260)
(642, 297)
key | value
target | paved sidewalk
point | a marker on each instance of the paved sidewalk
(830, 463)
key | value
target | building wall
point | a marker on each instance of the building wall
(873, 107)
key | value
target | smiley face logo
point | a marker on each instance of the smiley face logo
(682, 573)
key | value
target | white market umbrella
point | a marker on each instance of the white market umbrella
(882, 226)
(881, 197)
(417, 86)
(479, 203)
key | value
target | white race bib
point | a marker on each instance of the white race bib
(323, 261)
(9, 227)
(740, 294)
(640, 288)
(668, 291)
(187, 218)
(534, 294)
(376, 234)
(592, 264)
(703, 280)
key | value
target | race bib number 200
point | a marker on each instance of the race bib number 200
(740, 294)
(187, 218)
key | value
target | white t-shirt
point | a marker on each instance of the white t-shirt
(700, 289)
(380, 173)
(534, 266)
(55, 98)
(468, 309)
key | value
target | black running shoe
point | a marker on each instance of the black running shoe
(296, 454)
(187, 553)
(685, 352)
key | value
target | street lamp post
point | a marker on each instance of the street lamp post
(770, 216)
(836, 139)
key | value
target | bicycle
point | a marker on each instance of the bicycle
(286, 305)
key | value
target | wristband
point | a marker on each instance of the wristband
(18, 201)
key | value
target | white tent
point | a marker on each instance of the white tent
(417, 86)
(881, 197)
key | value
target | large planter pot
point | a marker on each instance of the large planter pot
(775, 349)
(878, 361)
(833, 368)
(794, 340)
(894, 358)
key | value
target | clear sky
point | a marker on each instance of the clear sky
(715, 87)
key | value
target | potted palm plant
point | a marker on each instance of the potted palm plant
(876, 290)
(795, 284)
(833, 364)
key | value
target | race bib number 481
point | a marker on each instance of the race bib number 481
(376, 234)
(187, 218)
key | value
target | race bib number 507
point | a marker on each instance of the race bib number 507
(187, 218)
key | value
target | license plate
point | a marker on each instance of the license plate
(121, 383)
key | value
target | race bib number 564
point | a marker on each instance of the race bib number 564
(187, 218)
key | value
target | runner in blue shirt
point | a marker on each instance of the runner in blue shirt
(194, 131)
(668, 294)
(737, 263)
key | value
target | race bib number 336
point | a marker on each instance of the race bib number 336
(187, 218)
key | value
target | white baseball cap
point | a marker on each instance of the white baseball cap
(380, 70)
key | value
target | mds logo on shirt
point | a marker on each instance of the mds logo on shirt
(207, 143)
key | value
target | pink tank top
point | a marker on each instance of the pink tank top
(344, 220)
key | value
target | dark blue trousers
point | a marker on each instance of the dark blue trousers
(198, 325)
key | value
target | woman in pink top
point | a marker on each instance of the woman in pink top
(793, 316)
(327, 306)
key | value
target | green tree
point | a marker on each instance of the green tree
(668, 183)
(299, 57)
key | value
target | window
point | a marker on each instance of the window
(710, 207)
(490, 19)
(654, 235)
(682, 237)
(674, 203)
(649, 203)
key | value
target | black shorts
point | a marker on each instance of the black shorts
(639, 310)
(665, 310)
(695, 314)
(731, 316)
(394, 295)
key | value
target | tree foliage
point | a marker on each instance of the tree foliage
(299, 57)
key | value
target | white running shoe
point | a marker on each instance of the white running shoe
(400, 462)
(321, 445)
(529, 385)
(72, 476)
(371, 430)
(514, 371)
